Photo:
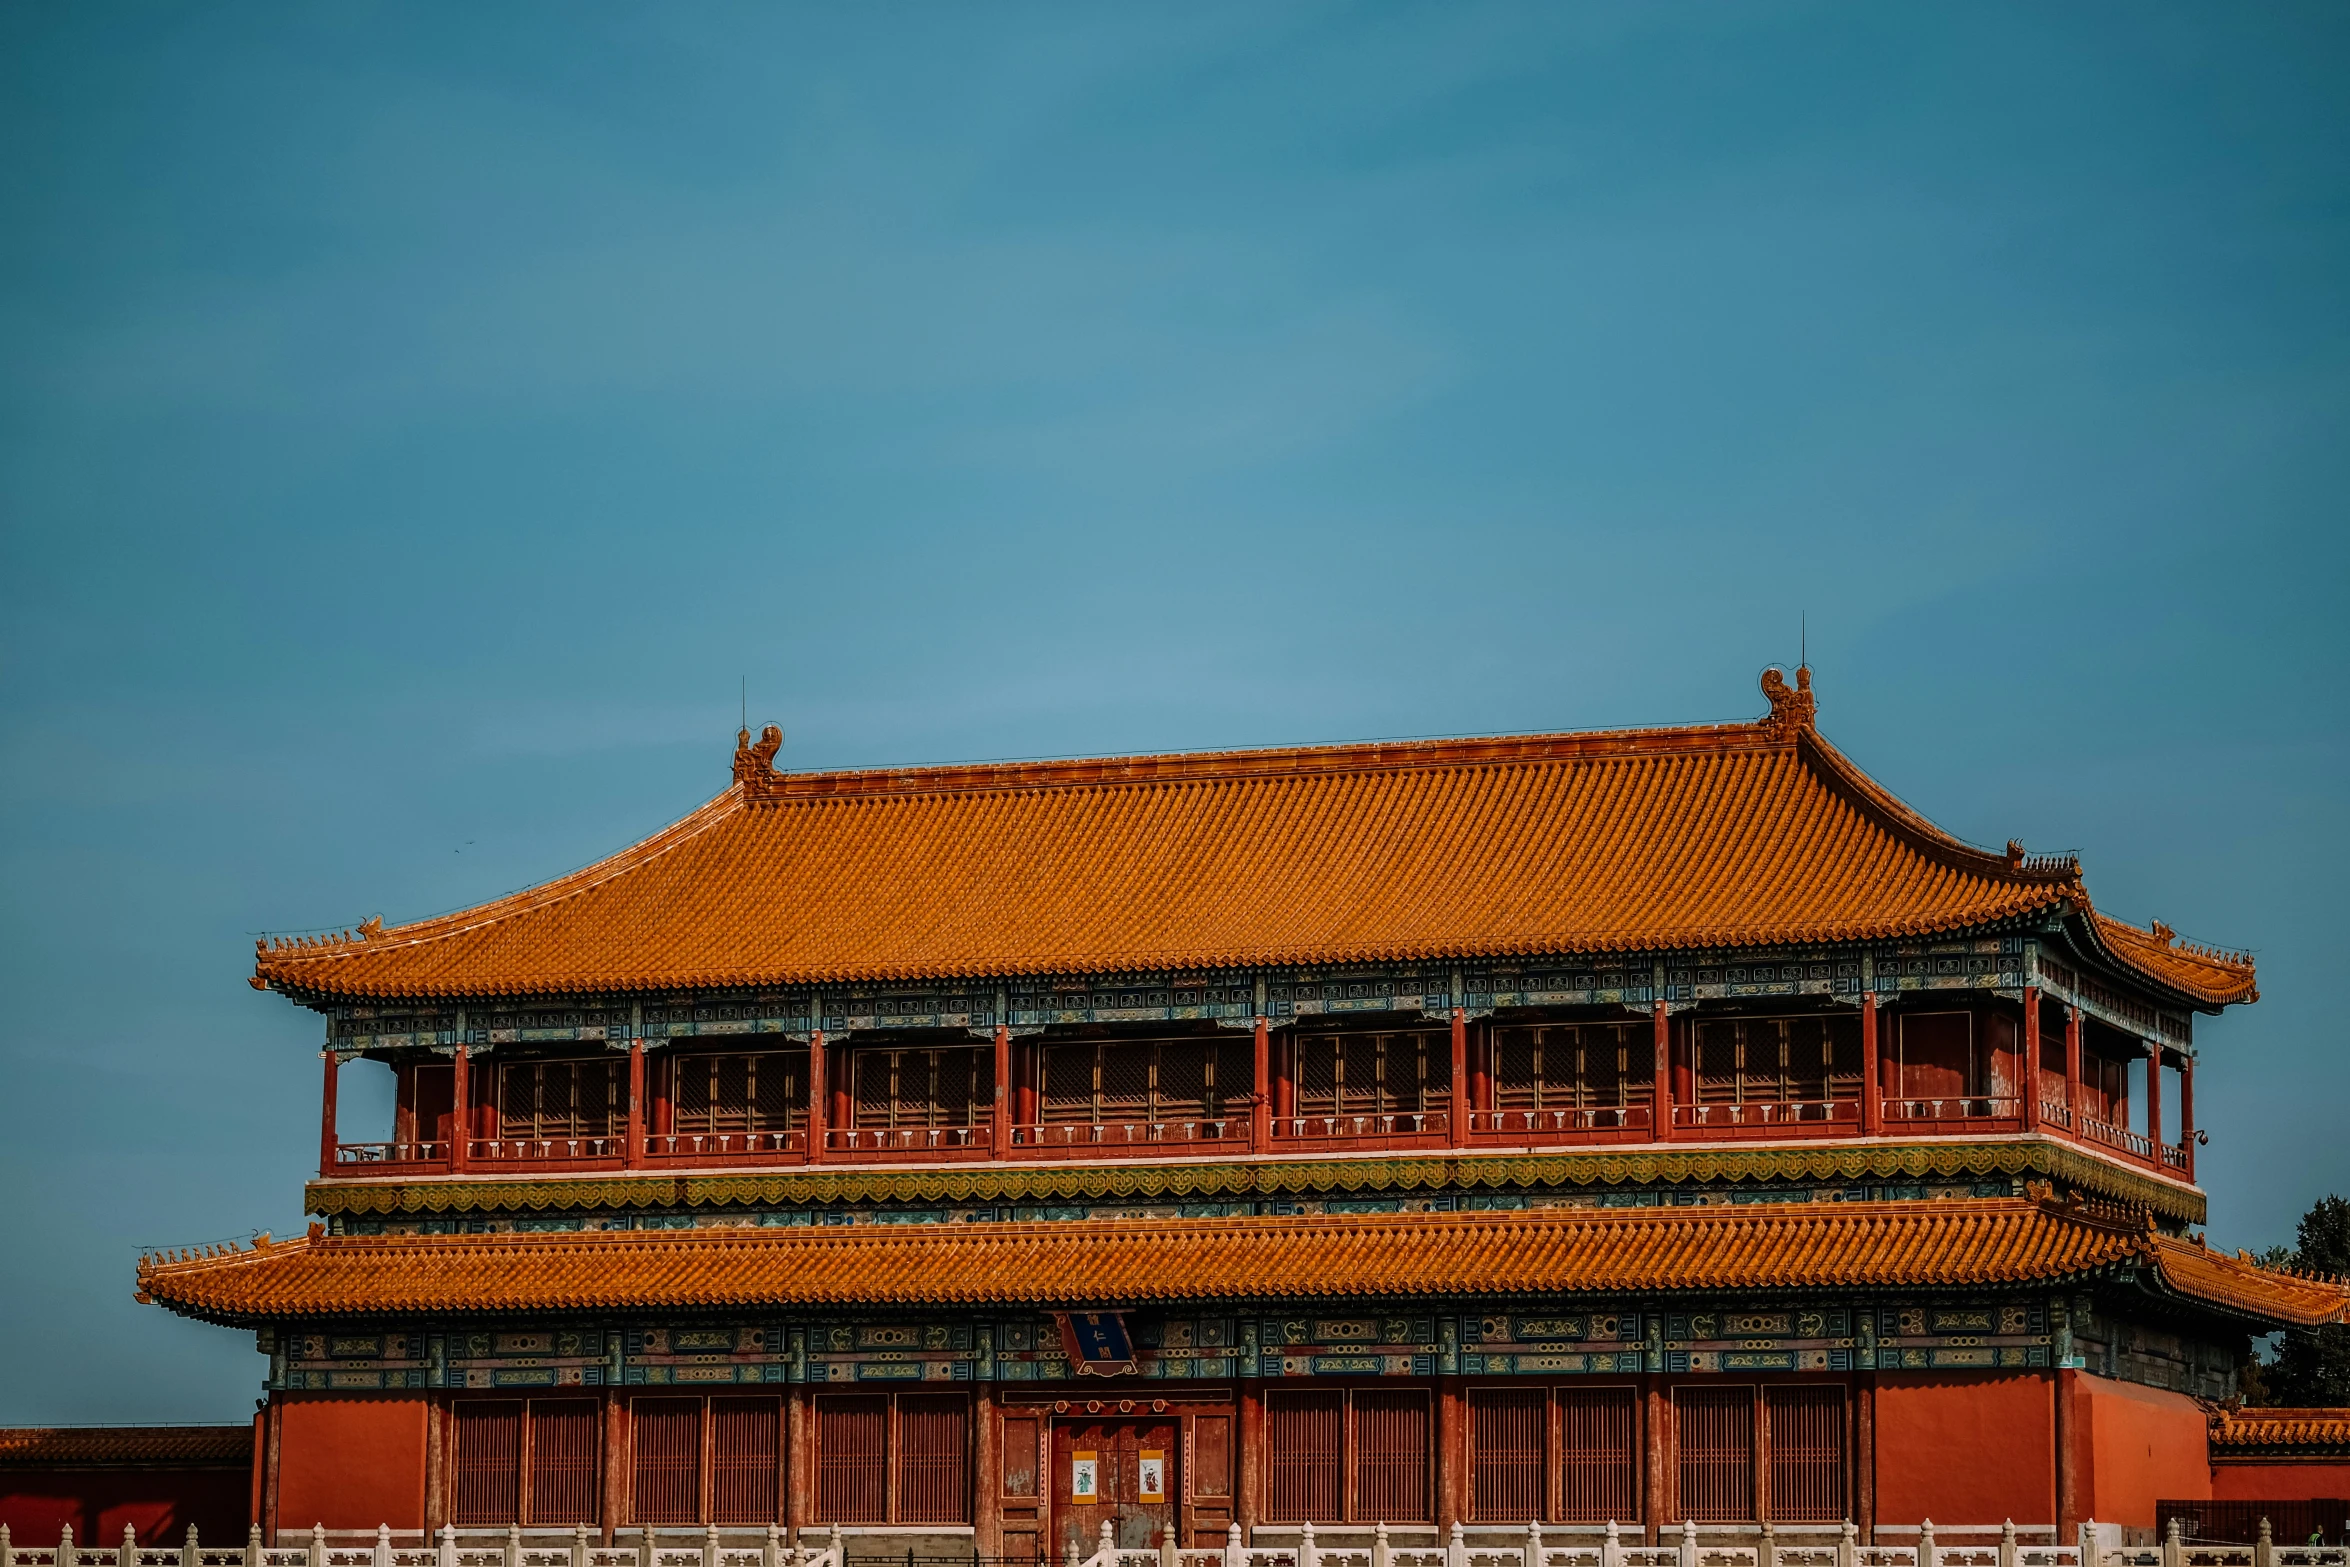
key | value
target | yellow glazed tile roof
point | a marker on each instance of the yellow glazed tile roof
(1643, 840)
(1543, 1252)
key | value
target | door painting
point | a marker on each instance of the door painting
(1123, 1471)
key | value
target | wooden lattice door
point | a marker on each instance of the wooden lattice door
(1120, 1470)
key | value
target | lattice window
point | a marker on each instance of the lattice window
(1576, 1066)
(550, 1099)
(489, 1461)
(563, 1454)
(933, 1432)
(667, 1436)
(852, 1458)
(1778, 1060)
(746, 1445)
(1305, 1445)
(1506, 1452)
(764, 1091)
(949, 1087)
(1717, 1453)
(1144, 1081)
(1807, 1453)
(1599, 1454)
(1391, 1456)
(1369, 1074)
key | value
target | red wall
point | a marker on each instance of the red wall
(160, 1503)
(2246, 1482)
(1966, 1448)
(349, 1462)
(2134, 1446)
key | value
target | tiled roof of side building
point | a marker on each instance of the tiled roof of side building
(2280, 1430)
(1542, 1252)
(70, 1447)
(1642, 840)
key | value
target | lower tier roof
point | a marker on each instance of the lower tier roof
(1550, 1253)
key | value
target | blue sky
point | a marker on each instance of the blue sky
(415, 420)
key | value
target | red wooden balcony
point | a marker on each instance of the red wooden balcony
(1562, 1128)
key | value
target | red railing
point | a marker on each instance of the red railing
(1769, 1118)
(2120, 1137)
(1581, 1124)
(391, 1153)
(1368, 1130)
(1224, 1134)
(2174, 1156)
(544, 1150)
(727, 1146)
(2055, 1112)
(1959, 1113)
(879, 1144)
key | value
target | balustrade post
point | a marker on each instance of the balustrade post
(709, 1546)
(2007, 1543)
(7, 1550)
(1379, 1545)
(127, 1554)
(317, 1545)
(448, 1552)
(2174, 1546)
(1611, 1546)
(1169, 1554)
(1766, 1549)
(513, 1554)
(65, 1546)
(579, 1545)
(1688, 1543)
(770, 1554)
(1926, 1544)
(383, 1545)
(644, 1555)
(1533, 1542)
(1456, 1550)
(2263, 1548)
(1108, 1548)
(1306, 1556)
(832, 1544)
(1236, 1554)
(1848, 1545)
(2088, 1545)
(253, 1545)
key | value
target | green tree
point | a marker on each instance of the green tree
(2312, 1368)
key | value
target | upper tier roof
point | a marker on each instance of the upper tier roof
(1528, 846)
(1545, 1252)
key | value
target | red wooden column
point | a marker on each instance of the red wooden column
(2154, 1103)
(817, 1101)
(633, 1154)
(2029, 1077)
(1452, 1455)
(326, 1116)
(2072, 1065)
(1463, 1093)
(2187, 1113)
(1872, 1087)
(460, 1111)
(1260, 1113)
(1660, 1105)
(1003, 1090)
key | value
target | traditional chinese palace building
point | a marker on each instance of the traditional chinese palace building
(1644, 1126)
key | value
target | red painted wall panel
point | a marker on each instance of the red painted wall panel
(2244, 1482)
(350, 1462)
(158, 1503)
(1966, 1448)
(2140, 1445)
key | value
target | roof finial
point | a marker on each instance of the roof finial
(1792, 707)
(754, 763)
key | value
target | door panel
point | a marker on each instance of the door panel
(1120, 1459)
